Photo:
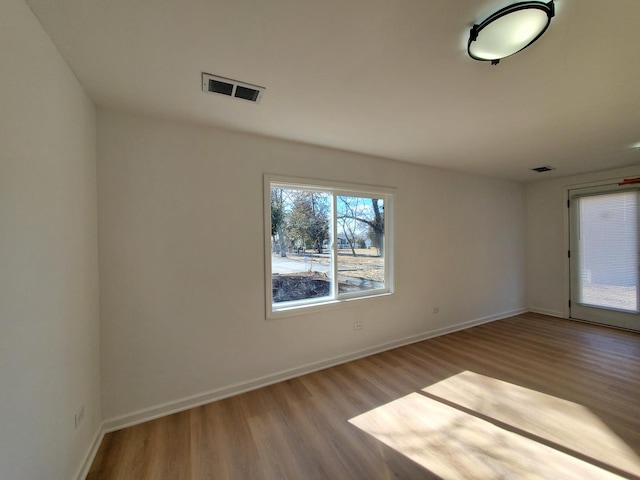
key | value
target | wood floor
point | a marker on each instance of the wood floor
(526, 397)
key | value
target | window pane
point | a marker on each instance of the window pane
(360, 241)
(609, 251)
(300, 254)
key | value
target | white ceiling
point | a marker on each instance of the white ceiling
(389, 78)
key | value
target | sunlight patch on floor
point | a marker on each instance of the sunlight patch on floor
(473, 426)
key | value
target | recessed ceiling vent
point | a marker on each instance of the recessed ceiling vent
(542, 169)
(232, 88)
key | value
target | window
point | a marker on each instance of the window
(325, 243)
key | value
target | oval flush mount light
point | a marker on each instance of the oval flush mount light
(509, 30)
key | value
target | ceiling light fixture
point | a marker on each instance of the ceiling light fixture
(509, 30)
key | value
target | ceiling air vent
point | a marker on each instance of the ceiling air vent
(232, 88)
(542, 169)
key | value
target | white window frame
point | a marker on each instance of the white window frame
(298, 307)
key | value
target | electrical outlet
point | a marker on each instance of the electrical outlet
(358, 325)
(79, 417)
(436, 310)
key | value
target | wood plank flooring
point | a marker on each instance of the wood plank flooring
(526, 397)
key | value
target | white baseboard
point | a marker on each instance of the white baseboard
(473, 323)
(186, 403)
(83, 470)
(544, 311)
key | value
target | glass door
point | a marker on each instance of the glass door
(604, 255)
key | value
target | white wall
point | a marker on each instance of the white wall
(181, 255)
(547, 238)
(49, 357)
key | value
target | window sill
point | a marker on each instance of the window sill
(297, 310)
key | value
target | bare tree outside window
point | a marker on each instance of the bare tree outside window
(361, 218)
